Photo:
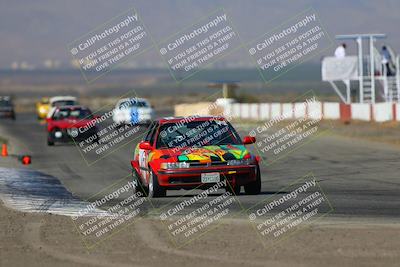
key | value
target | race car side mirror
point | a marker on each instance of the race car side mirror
(247, 140)
(145, 145)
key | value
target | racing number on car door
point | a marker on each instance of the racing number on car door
(143, 155)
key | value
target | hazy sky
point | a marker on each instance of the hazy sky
(37, 30)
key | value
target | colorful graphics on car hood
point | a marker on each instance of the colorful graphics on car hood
(203, 154)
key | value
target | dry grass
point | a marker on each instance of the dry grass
(386, 132)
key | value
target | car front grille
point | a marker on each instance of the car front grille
(208, 164)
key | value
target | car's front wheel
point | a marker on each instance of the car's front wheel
(138, 184)
(50, 140)
(254, 188)
(155, 190)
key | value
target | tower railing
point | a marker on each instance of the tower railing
(398, 77)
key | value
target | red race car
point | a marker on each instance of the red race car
(70, 123)
(194, 152)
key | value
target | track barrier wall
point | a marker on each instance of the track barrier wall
(379, 112)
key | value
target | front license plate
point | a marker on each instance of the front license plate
(211, 177)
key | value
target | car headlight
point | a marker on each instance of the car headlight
(236, 162)
(175, 165)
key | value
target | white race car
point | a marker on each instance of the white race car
(58, 101)
(133, 111)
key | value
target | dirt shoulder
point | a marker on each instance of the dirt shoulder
(49, 240)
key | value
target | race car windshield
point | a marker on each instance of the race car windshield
(64, 103)
(73, 114)
(197, 134)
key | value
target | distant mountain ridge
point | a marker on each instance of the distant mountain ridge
(34, 31)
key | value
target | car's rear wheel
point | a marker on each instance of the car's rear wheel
(254, 188)
(155, 190)
(234, 189)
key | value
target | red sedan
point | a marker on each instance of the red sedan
(71, 123)
(194, 152)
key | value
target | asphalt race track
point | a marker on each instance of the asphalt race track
(359, 178)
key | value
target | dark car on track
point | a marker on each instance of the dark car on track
(70, 123)
(6, 108)
(188, 153)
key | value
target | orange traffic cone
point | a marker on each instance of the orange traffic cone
(4, 152)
